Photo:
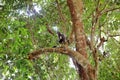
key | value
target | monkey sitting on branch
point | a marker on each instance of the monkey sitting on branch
(61, 38)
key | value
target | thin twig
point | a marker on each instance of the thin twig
(114, 35)
(95, 19)
(108, 10)
(94, 24)
(104, 6)
(62, 17)
(49, 30)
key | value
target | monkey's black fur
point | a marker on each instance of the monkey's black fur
(61, 37)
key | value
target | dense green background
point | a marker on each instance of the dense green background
(23, 30)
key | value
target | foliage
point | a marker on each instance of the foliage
(23, 29)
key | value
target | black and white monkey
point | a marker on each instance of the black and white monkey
(61, 38)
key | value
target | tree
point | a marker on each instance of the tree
(91, 27)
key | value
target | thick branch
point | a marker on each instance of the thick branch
(74, 54)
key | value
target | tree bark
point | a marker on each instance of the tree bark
(76, 7)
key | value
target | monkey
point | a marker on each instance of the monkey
(61, 38)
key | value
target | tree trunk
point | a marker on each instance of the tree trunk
(76, 7)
